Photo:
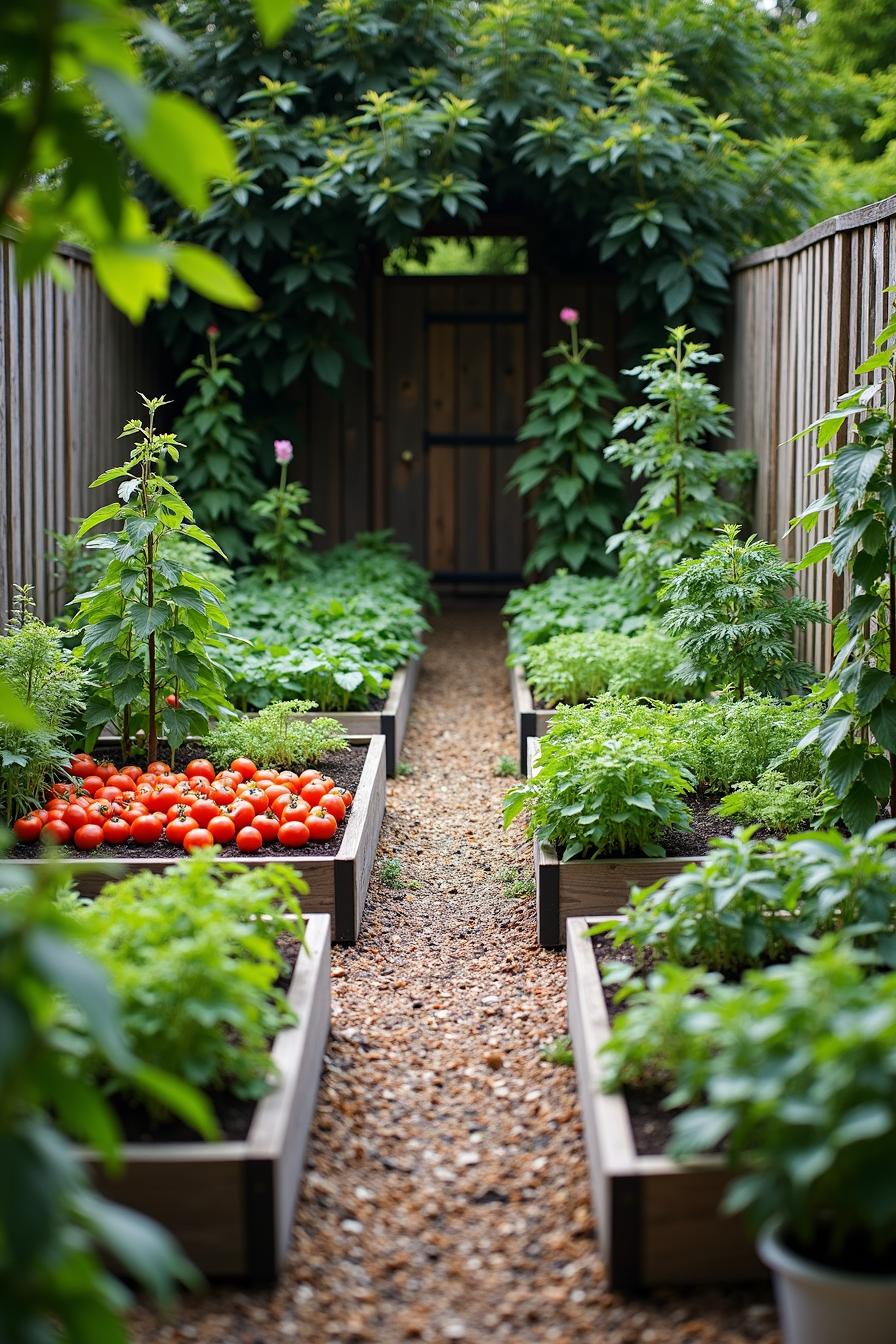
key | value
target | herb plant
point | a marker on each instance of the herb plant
(679, 506)
(773, 801)
(727, 740)
(566, 604)
(150, 626)
(49, 680)
(192, 955)
(219, 471)
(735, 613)
(275, 737)
(578, 492)
(575, 668)
(810, 1130)
(857, 734)
(281, 532)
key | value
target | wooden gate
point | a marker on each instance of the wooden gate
(455, 359)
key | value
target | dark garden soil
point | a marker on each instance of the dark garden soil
(344, 767)
(446, 1196)
(234, 1114)
(705, 826)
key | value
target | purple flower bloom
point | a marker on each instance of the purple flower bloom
(283, 451)
(570, 316)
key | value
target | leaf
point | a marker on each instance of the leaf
(146, 1250)
(820, 551)
(146, 620)
(327, 364)
(101, 515)
(14, 710)
(874, 685)
(844, 767)
(883, 725)
(567, 489)
(85, 985)
(833, 729)
(859, 808)
(853, 468)
(183, 147)
(132, 275)
(211, 276)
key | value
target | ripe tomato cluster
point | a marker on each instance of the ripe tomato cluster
(190, 808)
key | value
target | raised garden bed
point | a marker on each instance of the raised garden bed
(337, 879)
(658, 1220)
(390, 721)
(530, 722)
(588, 887)
(230, 1204)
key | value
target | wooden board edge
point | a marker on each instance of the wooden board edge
(354, 863)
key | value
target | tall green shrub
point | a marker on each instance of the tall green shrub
(575, 492)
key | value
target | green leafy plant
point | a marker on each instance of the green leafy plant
(566, 604)
(390, 873)
(617, 800)
(275, 736)
(773, 801)
(577, 492)
(615, 774)
(857, 734)
(193, 959)
(575, 668)
(515, 885)
(505, 767)
(734, 612)
(219, 471)
(808, 1130)
(58, 1236)
(559, 1052)
(679, 506)
(48, 679)
(149, 625)
(281, 533)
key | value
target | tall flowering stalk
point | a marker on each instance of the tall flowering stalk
(576, 494)
(282, 534)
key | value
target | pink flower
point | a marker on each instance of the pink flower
(570, 316)
(283, 451)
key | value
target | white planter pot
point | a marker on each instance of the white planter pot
(818, 1305)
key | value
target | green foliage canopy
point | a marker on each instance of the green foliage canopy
(376, 120)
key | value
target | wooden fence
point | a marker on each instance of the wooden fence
(70, 366)
(804, 315)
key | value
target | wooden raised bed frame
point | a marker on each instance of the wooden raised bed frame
(230, 1204)
(337, 883)
(587, 887)
(658, 1221)
(390, 722)
(530, 722)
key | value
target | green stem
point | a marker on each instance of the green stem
(278, 530)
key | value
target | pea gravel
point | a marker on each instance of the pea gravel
(446, 1195)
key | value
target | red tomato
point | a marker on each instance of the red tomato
(89, 836)
(197, 838)
(145, 790)
(222, 829)
(158, 768)
(241, 813)
(116, 830)
(201, 768)
(290, 777)
(273, 791)
(146, 830)
(63, 790)
(313, 791)
(109, 792)
(56, 832)
(231, 779)
(123, 783)
(82, 765)
(132, 771)
(321, 825)
(306, 777)
(177, 829)
(296, 809)
(132, 807)
(334, 805)
(164, 798)
(173, 701)
(264, 776)
(203, 810)
(257, 797)
(184, 786)
(99, 810)
(42, 813)
(75, 815)
(249, 839)
(222, 793)
(344, 794)
(293, 834)
(28, 829)
(267, 824)
(104, 769)
(243, 766)
(91, 784)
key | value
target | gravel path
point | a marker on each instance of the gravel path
(446, 1194)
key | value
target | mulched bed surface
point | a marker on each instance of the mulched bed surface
(234, 1114)
(344, 766)
(446, 1196)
